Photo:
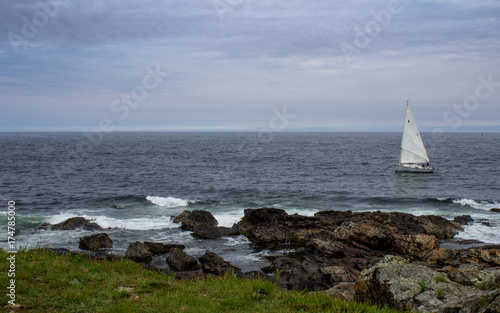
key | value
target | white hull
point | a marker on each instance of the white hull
(414, 168)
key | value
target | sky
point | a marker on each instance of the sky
(151, 65)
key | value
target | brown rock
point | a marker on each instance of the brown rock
(76, 222)
(215, 264)
(96, 242)
(344, 291)
(181, 261)
(138, 252)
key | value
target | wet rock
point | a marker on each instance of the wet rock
(192, 219)
(463, 219)
(215, 264)
(96, 242)
(181, 261)
(157, 248)
(497, 210)
(76, 222)
(401, 285)
(139, 252)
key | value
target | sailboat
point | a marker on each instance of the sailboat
(413, 157)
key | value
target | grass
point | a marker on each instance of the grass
(440, 294)
(46, 282)
(423, 285)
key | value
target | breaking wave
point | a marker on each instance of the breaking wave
(169, 202)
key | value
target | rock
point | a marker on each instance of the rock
(215, 264)
(96, 242)
(488, 255)
(343, 291)
(337, 274)
(497, 210)
(463, 219)
(296, 275)
(157, 248)
(139, 252)
(439, 226)
(229, 231)
(438, 257)
(214, 232)
(398, 284)
(191, 219)
(181, 261)
(207, 231)
(76, 222)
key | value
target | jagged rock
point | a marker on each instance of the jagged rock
(297, 275)
(181, 261)
(157, 248)
(398, 284)
(139, 252)
(463, 219)
(438, 257)
(337, 274)
(76, 222)
(191, 219)
(215, 264)
(488, 254)
(96, 242)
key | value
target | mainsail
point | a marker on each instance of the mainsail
(412, 147)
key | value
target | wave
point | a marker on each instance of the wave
(475, 204)
(169, 202)
(138, 223)
(479, 232)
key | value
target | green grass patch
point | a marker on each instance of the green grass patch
(46, 282)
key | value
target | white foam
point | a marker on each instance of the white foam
(169, 202)
(138, 223)
(480, 232)
(481, 205)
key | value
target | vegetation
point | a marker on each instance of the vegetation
(46, 282)
(440, 294)
(423, 286)
(440, 279)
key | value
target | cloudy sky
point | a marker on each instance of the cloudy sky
(241, 64)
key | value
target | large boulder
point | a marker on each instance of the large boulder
(96, 242)
(139, 252)
(215, 264)
(181, 261)
(192, 219)
(404, 286)
(76, 222)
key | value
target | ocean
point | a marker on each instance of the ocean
(133, 183)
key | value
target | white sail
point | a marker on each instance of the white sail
(412, 147)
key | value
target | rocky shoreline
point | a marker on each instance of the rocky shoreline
(392, 259)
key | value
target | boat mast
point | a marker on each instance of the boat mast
(402, 135)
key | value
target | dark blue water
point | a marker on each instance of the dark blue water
(134, 182)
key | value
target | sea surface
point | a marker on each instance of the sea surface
(133, 183)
